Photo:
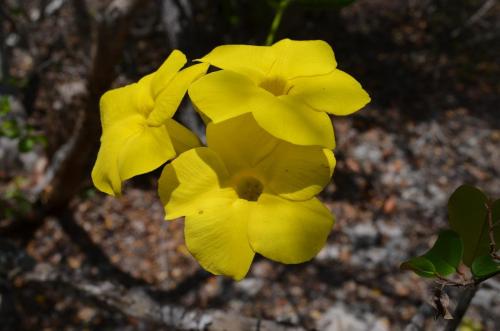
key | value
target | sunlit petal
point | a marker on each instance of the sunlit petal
(292, 121)
(169, 99)
(186, 182)
(240, 142)
(297, 58)
(167, 71)
(217, 235)
(182, 138)
(105, 174)
(336, 93)
(225, 94)
(297, 172)
(145, 151)
(288, 231)
(251, 61)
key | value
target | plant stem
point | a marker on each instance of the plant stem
(462, 306)
(276, 21)
(491, 233)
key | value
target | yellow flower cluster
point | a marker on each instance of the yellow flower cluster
(269, 148)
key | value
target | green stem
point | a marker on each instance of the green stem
(276, 21)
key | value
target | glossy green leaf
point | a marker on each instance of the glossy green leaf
(442, 259)
(485, 266)
(421, 266)
(467, 215)
(447, 252)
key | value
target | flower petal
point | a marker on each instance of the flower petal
(187, 181)
(106, 174)
(129, 100)
(240, 142)
(288, 231)
(298, 172)
(162, 77)
(168, 100)
(336, 93)
(251, 61)
(182, 138)
(225, 94)
(217, 235)
(145, 151)
(296, 58)
(289, 119)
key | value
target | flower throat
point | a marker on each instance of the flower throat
(249, 188)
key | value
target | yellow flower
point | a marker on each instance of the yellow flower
(248, 192)
(288, 87)
(139, 133)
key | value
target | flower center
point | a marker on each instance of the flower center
(249, 188)
(275, 84)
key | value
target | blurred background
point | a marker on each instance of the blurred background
(72, 258)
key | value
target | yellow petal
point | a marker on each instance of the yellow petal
(162, 77)
(336, 93)
(297, 172)
(168, 100)
(145, 151)
(106, 174)
(105, 171)
(187, 181)
(182, 138)
(289, 119)
(288, 231)
(251, 61)
(296, 58)
(120, 103)
(217, 235)
(225, 94)
(292, 171)
(240, 142)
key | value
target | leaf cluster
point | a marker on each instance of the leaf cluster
(11, 128)
(474, 221)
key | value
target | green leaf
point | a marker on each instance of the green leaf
(4, 105)
(442, 259)
(446, 253)
(26, 144)
(9, 129)
(40, 139)
(421, 266)
(467, 215)
(485, 267)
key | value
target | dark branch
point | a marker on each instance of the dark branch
(136, 302)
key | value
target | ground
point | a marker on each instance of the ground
(432, 125)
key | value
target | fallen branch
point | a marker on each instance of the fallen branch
(133, 302)
(136, 302)
(476, 17)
